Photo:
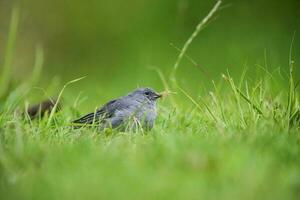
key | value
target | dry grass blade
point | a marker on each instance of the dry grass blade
(165, 83)
(166, 93)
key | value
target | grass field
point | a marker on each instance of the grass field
(229, 146)
(238, 140)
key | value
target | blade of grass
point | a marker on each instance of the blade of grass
(265, 70)
(38, 65)
(258, 110)
(219, 103)
(291, 92)
(236, 95)
(199, 27)
(244, 72)
(58, 99)
(196, 104)
(238, 91)
(7, 65)
(203, 70)
(165, 83)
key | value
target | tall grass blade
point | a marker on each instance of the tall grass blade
(236, 95)
(199, 27)
(292, 87)
(196, 104)
(165, 84)
(38, 65)
(7, 65)
(59, 97)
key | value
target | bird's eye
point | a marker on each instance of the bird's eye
(147, 93)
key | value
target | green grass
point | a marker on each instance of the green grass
(220, 148)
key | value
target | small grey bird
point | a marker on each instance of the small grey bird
(136, 109)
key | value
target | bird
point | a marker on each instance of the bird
(136, 109)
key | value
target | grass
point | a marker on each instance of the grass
(238, 141)
(239, 153)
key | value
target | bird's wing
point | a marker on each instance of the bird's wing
(106, 111)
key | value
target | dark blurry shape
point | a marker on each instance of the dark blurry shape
(42, 108)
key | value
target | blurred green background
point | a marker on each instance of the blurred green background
(116, 43)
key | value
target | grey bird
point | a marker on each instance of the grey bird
(136, 109)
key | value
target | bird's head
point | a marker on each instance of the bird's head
(146, 93)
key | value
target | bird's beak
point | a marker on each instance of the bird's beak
(157, 96)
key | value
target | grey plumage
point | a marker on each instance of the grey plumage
(137, 108)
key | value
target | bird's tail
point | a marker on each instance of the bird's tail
(87, 119)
